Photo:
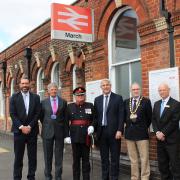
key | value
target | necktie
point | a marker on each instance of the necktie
(134, 104)
(105, 110)
(54, 106)
(26, 102)
(162, 107)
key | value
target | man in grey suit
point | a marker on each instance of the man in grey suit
(54, 130)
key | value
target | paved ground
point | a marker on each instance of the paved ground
(6, 162)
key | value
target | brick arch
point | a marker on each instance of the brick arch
(110, 9)
(48, 66)
(34, 71)
(8, 80)
(79, 62)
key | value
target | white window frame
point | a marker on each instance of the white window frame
(38, 78)
(2, 101)
(12, 87)
(111, 50)
(53, 74)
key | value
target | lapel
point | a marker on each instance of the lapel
(101, 103)
(165, 108)
(60, 104)
(110, 101)
(49, 104)
(21, 101)
(30, 102)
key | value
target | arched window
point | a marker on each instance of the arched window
(40, 86)
(74, 77)
(124, 51)
(55, 74)
(2, 113)
(12, 87)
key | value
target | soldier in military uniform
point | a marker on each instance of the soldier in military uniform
(80, 116)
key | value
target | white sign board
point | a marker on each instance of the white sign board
(93, 90)
(169, 76)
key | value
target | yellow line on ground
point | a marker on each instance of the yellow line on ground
(3, 150)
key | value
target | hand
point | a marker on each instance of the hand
(67, 140)
(90, 130)
(160, 136)
(26, 129)
(118, 135)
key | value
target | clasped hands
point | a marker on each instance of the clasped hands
(160, 136)
(26, 129)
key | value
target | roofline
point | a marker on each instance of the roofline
(46, 21)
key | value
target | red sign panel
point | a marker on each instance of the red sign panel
(71, 23)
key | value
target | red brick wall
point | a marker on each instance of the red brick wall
(154, 47)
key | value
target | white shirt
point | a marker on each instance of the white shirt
(26, 100)
(104, 100)
(165, 101)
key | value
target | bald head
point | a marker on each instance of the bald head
(164, 90)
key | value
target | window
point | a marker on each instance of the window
(124, 51)
(12, 87)
(2, 113)
(74, 77)
(40, 86)
(55, 74)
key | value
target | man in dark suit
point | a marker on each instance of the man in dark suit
(54, 130)
(109, 125)
(166, 115)
(24, 112)
(138, 114)
(80, 115)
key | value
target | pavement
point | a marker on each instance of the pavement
(7, 158)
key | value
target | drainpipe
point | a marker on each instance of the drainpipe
(167, 15)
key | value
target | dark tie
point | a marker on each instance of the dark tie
(134, 104)
(105, 110)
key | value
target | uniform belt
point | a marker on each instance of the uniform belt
(80, 122)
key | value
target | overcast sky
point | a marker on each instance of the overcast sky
(18, 17)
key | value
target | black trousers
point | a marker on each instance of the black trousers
(168, 160)
(81, 151)
(56, 145)
(108, 144)
(20, 141)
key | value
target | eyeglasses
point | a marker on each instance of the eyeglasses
(135, 89)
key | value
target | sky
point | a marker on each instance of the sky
(18, 17)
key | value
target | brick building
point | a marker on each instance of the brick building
(71, 63)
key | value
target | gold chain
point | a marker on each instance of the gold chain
(130, 105)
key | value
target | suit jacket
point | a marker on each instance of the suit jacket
(115, 114)
(168, 123)
(138, 130)
(18, 113)
(51, 127)
(84, 113)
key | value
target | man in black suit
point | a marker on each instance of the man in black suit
(54, 130)
(24, 112)
(138, 114)
(109, 125)
(166, 115)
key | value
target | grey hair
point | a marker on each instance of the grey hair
(105, 80)
(53, 84)
(135, 83)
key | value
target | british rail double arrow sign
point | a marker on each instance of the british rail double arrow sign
(71, 23)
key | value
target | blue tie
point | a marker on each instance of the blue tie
(105, 110)
(162, 107)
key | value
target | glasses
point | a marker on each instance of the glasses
(135, 89)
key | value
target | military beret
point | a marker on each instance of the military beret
(79, 91)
